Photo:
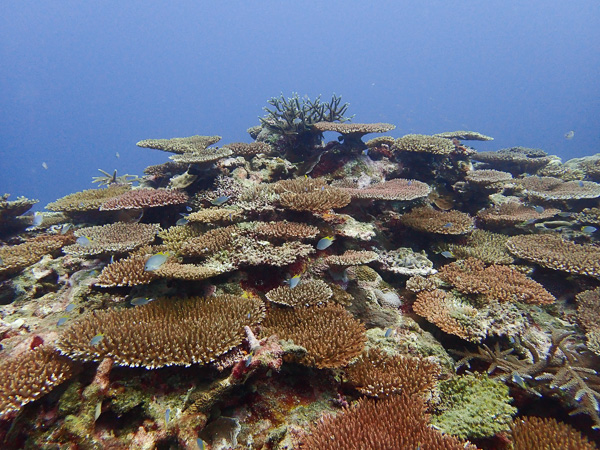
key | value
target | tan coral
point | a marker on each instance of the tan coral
(546, 433)
(145, 198)
(163, 333)
(251, 149)
(351, 258)
(430, 220)
(331, 336)
(286, 230)
(88, 200)
(211, 241)
(377, 374)
(115, 237)
(126, 272)
(318, 201)
(487, 177)
(180, 145)
(398, 189)
(14, 258)
(588, 311)
(313, 292)
(484, 245)
(250, 252)
(549, 188)
(512, 213)
(176, 236)
(464, 136)
(214, 215)
(189, 272)
(423, 143)
(29, 376)
(515, 160)
(494, 282)
(202, 157)
(398, 422)
(553, 252)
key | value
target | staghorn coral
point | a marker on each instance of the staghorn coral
(165, 332)
(245, 149)
(115, 237)
(351, 258)
(473, 406)
(14, 258)
(553, 252)
(549, 189)
(511, 213)
(88, 200)
(406, 262)
(308, 293)
(398, 189)
(126, 272)
(145, 198)
(25, 378)
(180, 145)
(285, 230)
(398, 422)
(423, 143)
(377, 374)
(530, 432)
(429, 220)
(494, 282)
(484, 245)
(464, 136)
(330, 335)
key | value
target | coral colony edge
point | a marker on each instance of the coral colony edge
(291, 293)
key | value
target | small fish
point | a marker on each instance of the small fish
(167, 416)
(409, 182)
(569, 135)
(519, 381)
(44, 165)
(564, 214)
(141, 301)
(325, 243)
(293, 282)
(220, 200)
(388, 332)
(38, 218)
(117, 155)
(200, 443)
(447, 254)
(96, 339)
(448, 225)
(589, 229)
(249, 315)
(539, 209)
(248, 360)
(98, 411)
(156, 261)
(112, 259)
(66, 227)
(297, 121)
(61, 321)
(581, 183)
(84, 241)
(182, 221)
(365, 152)
(70, 307)
(188, 208)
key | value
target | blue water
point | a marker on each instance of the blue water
(81, 81)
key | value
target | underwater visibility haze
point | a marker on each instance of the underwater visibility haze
(284, 225)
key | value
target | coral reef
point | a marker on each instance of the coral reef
(536, 432)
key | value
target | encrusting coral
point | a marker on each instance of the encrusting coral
(330, 335)
(163, 333)
(31, 375)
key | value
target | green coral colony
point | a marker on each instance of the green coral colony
(288, 293)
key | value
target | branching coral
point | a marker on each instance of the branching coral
(126, 272)
(330, 335)
(31, 375)
(484, 245)
(553, 252)
(317, 201)
(115, 237)
(286, 230)
(163, 333)
(560, 372)
(377, 374)
(546, 433)
(14, 258)
(398, 189)
(88, 200)
(145, 198)
(494, 282)
(423, 143)
(430, 220)
(180, 145)
(398, 422)
(309, 293)
(588, 311)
